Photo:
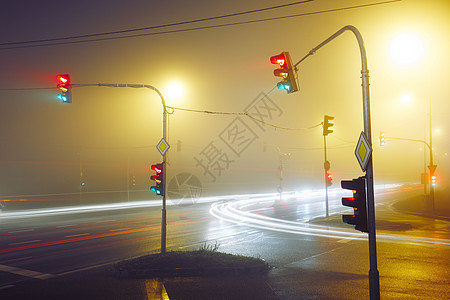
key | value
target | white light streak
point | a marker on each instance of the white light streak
(233, 211)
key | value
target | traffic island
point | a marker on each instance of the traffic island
(200, 274)
(199, 263)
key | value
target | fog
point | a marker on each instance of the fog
(108, 135)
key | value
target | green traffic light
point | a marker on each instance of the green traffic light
(284, 86)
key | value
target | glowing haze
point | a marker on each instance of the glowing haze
(107, 135)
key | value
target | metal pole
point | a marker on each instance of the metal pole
(280, 188)
(424, 172)
(432, 167)
(325, 172)
(374, 277)
(163, 210)
(374, 281)
(128, 177)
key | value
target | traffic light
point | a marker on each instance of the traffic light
(433, 180)
(329, 179)
(132, 181)
(327, 125)
(158, 178)
(289, 82)
(358, 202)
(382, 141)
(65, 86)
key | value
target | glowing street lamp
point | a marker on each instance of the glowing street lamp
(406, 48)
(175, 90)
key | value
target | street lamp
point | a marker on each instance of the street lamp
(406, 48)
(162, 142)
(174, 90)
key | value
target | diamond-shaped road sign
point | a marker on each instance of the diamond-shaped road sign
(432, 169)
(363, 151)
(162, 146)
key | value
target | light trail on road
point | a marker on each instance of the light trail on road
(240, 212)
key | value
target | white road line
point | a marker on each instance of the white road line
(25, 272)
(86, 268)
(76, 235)
(10, 261)
(27, 242)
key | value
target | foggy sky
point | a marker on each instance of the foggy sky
(112, 132)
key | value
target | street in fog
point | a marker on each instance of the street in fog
(312, 134)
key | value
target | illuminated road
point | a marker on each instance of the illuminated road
(289, 233)
(294, 213)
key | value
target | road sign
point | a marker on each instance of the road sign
(363, 151)
(326, 165)
(162, 146)
(432, 168)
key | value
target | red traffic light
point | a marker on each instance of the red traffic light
(63, 82)
(64, 85)
(157, 168)
(329, 179)
(159, 187)
(357, 202)
(289, 82)
(279, 60)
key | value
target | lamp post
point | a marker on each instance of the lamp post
(374, 281)
(428, 200)
(432, 166)
(164, 131)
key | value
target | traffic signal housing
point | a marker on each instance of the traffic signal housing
(382, 139)
(158, 188)
(433, 181)
(329, 179)
(289, 82)
(327, 125)
(357, 202)
(64, 85)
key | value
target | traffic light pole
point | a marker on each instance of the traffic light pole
(164, 125)
(374, 281)
(432, 166)
(325, 174)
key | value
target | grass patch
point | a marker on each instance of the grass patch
(202, 262)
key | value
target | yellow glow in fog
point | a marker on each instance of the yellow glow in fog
(174, 90)
(406, 48)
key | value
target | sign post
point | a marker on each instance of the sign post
(374, 278)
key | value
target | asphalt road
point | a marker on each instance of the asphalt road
(312, 256)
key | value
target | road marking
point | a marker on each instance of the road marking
(85, 268)
(25, 272)
(156, 290)
(10, 261)
(76, 235)
(27, 242)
